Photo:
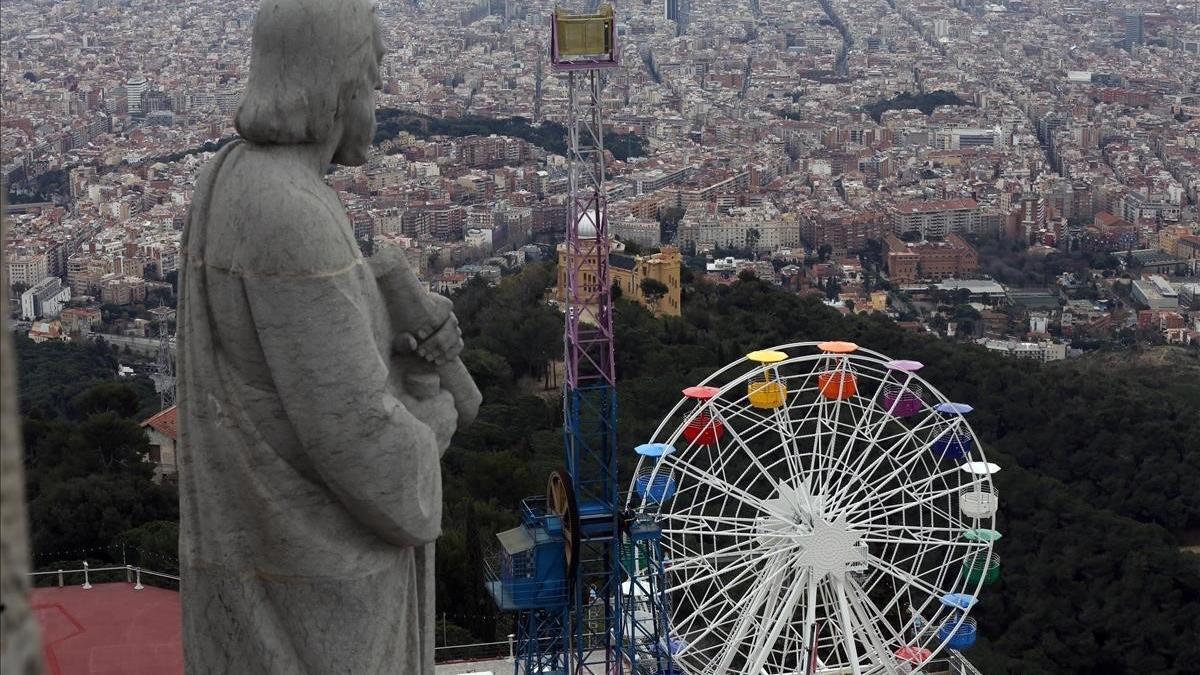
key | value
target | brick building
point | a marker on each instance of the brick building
(909, 263)
(846, 233)
(1108, 233)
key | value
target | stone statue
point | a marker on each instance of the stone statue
(317, 389)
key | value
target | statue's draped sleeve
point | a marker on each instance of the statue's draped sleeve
(354, 433)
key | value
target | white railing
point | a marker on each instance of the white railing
(476, 651)
(133, 574)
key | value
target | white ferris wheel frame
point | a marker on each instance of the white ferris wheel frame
(757, 633)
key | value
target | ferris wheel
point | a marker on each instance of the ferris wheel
(820, 508)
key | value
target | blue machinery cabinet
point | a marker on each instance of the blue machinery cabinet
(532, 565)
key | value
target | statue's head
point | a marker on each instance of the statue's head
(314, 69)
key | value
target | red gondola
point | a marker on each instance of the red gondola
(705, 427)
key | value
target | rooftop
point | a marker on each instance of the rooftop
(930, 206)
(110, 629)
(163, 422)
(975, 286)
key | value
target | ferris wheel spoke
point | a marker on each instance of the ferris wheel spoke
(876, 436)
(736, 411)
(747, 619)
(878, 528)
(913, 490)
(780, 426)
(841, 406)
(847, 627)
(719, 484)
(953, 557)
(905, 577)
(709, 519)
(745, 574)
(942, 513)
(904, 465)
(885, 539)
(694, 489)
(777, 619)
(884, 454)
(809, 408)
(829, 610)
(923, 500)
(715, 573)
(700, 613)
(869, 480)
(694, 558)
(870, 620)
(808, 637)
(824, 434)
(869, 419)
(788, 440)
(752, 456)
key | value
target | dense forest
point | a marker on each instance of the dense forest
(88, 480)
(550, 136)
(1101, 470)
(926, 103)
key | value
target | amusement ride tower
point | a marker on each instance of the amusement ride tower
(560, 571)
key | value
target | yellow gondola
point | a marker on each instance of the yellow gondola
(767, 391)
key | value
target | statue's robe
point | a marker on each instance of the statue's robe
(310, 496)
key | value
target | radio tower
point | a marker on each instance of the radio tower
(561, 570)
(164, 368)
(593, 634)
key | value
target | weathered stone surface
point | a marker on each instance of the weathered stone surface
(315, 399)
(20, 648)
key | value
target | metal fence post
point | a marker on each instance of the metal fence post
(511, 655)
(128, 573)
(60, 578)
(87, 584)
(138, 586)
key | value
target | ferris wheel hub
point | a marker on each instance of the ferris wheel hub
(830, 548)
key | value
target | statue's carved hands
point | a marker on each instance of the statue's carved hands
(440, 341)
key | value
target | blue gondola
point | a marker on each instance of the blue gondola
(953, 443)
(656, 488)
(960, 636)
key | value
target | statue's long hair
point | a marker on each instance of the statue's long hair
(306, 60)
